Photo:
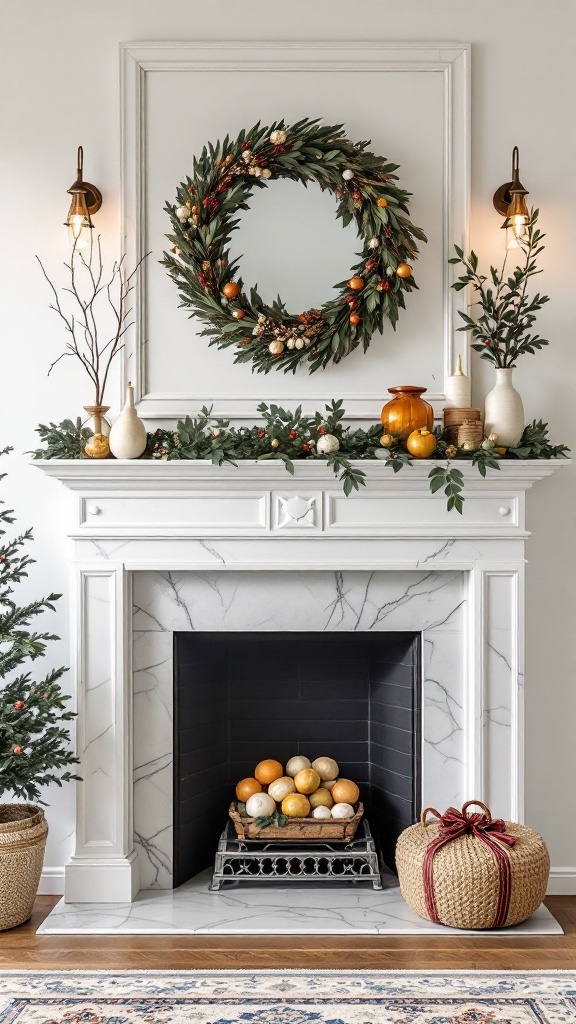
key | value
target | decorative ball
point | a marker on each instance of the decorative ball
(299, 344)
(327, 444)
(231, 290)
(274, 443)
(356, 284)
(276, 348)
(17, 749)
(277, 137)
(382, 203)
(329, 785)
(182, 213)
(342, 811)
(296, 805)
(268, 771)
(247, 156)
(246, 788)
(238, 314)
(321, 798)
(345, 792)
(451, 451)
(19, 705)
(487, 444)
(321, 812)
(354, 319)
(307, 781)
(266, 172)
(296, 764)
(390, 271)
(326, 767)
(386, 440)
(348, 174)
(291, 343)
(260, 804)
(404, 270)
(281, 788)
(373, 243)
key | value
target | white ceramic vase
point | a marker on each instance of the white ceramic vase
(503, 411)
(457, 388)
(128, 434)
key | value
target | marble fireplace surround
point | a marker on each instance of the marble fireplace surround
(184, 545)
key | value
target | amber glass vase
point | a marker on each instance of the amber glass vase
(407, 411)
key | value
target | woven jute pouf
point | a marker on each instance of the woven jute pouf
(467, 870)
(23, 831)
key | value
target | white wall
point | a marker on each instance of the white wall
(59, 87)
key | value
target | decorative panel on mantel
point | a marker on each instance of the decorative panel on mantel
(409, 99)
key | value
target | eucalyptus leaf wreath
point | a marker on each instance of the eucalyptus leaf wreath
(204, 216)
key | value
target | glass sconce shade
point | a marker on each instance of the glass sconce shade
(86, 200)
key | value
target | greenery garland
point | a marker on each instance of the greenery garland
(223, 180)
(290, 436)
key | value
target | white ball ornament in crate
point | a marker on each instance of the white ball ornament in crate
(297, 764)
(260, 804)
(338, 811)
(321, 812)
(327, 444)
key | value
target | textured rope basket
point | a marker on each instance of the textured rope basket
(468, 871)
(23, 831)
(454, 418)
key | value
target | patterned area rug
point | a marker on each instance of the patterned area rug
(287, 997)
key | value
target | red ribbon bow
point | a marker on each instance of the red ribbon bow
(453, 824)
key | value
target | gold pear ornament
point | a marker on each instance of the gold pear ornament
(128, 433)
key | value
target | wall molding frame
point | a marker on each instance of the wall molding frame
(140, 60)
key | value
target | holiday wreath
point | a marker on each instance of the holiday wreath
(223, 180)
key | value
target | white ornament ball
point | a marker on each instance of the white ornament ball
(257, 172)
(299, 343)
(290, 343)
(338, 811)
(276, 348)
(373, 243)
(260, 804)
(325, 445)
(266, 172)
(247, 156)
(297, 764)
(321, 812)
(390, 271)
(278, 137)
(281, 788)
(326, 767)
(328, 785)
(348, 174)
(182, 213)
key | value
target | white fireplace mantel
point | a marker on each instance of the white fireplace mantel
(192, 517)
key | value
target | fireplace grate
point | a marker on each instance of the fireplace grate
(284, 862)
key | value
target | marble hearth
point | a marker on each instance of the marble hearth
(160, 547)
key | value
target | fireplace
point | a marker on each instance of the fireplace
(164, 548)
(240, 697)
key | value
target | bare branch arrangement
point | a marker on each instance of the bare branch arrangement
(91, 290)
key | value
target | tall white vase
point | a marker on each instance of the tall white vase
(128, 434)
(503, 411)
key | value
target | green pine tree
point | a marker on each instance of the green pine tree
(34, 747)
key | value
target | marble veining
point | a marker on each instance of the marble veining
(194, 910)
(432, 601)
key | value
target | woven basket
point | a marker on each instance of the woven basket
(455, 417)
(23, 831)
(465, 875)
(319, 829)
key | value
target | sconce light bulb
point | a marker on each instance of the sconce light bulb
(516, 231)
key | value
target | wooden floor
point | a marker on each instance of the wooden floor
(22, 948)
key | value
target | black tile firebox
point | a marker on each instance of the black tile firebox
(241, 697)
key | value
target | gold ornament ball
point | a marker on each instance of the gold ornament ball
(382, 203)
(231, 290)
(386, 440)
(274, 443)
(404, 270)
(238, 314)
(356, 284)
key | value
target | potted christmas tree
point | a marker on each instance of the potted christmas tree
(34, 745)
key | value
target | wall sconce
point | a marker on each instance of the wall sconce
(86, 200)
(510, 202)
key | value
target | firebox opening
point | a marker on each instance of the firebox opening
(242, 697)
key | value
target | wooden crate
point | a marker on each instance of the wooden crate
(296, 829)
